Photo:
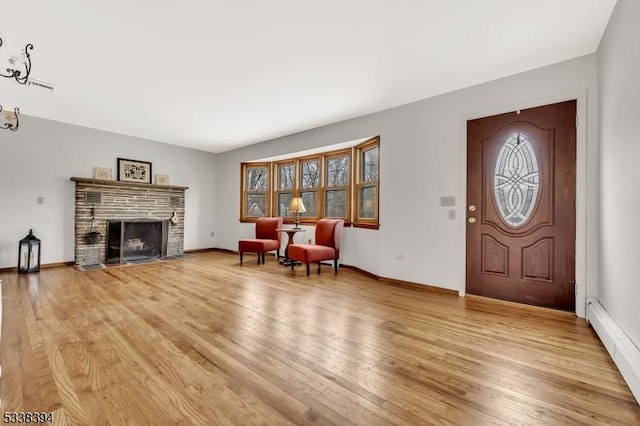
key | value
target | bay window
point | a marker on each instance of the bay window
(340, 184)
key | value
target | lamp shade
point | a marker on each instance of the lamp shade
(297, 206)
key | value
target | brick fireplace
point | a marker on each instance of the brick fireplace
(115, 205)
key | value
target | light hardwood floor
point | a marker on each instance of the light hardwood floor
(203, 340)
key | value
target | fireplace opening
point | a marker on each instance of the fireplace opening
(136, 240)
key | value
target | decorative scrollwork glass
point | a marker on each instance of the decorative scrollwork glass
(516, 180)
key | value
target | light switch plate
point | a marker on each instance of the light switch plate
(447, 201)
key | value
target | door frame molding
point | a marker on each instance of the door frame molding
(581, 188)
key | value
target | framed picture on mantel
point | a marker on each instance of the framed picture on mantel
(162, 179)
(134, 171)
(103, 173)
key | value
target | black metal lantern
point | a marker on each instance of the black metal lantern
(29, 254)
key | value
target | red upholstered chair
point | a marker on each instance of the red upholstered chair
(327, 246)
(267, 238)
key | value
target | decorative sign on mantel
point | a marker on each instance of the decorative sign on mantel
(162, 179)
(103, 173)
(134, 171)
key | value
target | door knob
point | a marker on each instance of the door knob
(472, 208)
(472, 220)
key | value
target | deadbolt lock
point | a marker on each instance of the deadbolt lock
(472, 208)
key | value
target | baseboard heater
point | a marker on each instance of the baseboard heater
(624, 353)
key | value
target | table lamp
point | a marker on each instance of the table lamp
(296, 207)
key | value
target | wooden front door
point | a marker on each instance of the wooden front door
(521, 190)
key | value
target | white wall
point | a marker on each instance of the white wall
(422, 158)
(619, 86)
(42, 155)
(422, 155)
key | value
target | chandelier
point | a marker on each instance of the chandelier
(9, 117)
(21, 76)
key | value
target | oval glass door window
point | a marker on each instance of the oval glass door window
(516, 180)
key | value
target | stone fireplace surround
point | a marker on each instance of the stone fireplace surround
(127, 201)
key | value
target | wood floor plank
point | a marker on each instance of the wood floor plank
(68, 393)
(204, 340)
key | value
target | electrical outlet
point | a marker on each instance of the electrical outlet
(212, 233)
(40, 200)
(452, 214)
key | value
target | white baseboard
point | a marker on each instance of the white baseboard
(624, 353)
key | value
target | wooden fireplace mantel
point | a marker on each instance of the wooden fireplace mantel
(125, 184)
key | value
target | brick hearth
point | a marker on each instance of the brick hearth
(113, 200)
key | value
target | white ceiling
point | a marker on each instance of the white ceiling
(216, 75)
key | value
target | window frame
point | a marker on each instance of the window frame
(325, 187)
(355, 155)
(288, 218)
(304, 217)
(359, 184)
(244, 191)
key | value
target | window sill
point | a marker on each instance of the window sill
(366, 225)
